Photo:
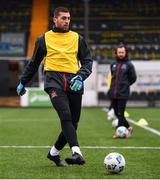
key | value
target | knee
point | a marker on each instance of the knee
(75, 125)
(120, 115)
(65, 115)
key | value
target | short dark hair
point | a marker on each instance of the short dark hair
(121, 45)
(55, 13)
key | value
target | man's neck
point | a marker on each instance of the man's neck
(57, 29)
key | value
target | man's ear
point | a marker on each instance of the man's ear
(54, 19)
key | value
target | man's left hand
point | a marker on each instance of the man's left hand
(20, 89)
(76, 83)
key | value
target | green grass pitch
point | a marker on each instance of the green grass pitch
(23, 127)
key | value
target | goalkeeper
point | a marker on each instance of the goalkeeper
(62, 50)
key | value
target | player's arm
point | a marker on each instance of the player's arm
(85, 58)
(111, 65)
(132, 74)
(33, 65)
(86, 61)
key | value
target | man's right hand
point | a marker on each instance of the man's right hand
(20, 89)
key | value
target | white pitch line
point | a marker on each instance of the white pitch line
(152, 130)
(117, 147)
(25, 147)
(83, 147)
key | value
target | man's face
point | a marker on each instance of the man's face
(62, 21)
(121, 53)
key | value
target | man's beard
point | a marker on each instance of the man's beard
(121, 58)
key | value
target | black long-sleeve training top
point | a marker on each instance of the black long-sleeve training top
(123, 76)
(55, 78)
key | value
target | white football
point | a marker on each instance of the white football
(122, 132)
(115, 123)
(114, 162)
